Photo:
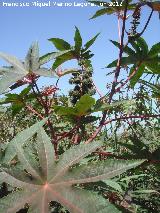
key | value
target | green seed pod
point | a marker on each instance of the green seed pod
(82, 81)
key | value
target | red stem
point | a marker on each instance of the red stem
(115, 77)
(130, 117)
(47, 110)
(34, 111)
(67, 133)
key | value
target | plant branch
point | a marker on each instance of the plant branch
(115, 77)
(120, 55)
(145, 27)
(130, 117)
(46, 108)
(34, 111)
(66, 134)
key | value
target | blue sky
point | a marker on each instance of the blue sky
(21, 26)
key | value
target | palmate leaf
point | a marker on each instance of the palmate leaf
(94, 172)
(149, 60)
(18, 70)
(84, 104)
(32, 62)
(87, 105)
(73, 52)
(17, 101)
(137, 55)
(57, 181)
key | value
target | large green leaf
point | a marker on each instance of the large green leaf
(17, 101)
(77, 51)
(138, 54)
(32, 62)
(26, 160)
(57, 180)
(18, 70)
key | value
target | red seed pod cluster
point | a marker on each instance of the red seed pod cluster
(49, 90)
(29, 78)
